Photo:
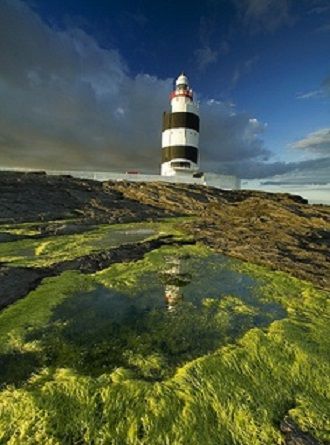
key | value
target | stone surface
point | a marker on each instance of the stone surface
(294, 435)
(280, 231)
(36, 197)
(277, 230)
(16, 282)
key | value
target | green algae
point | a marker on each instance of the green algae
(235, 393)
(31, 228)
(49, 250)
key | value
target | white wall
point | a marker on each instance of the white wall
(168, 170)
(180, 136)
(222, 181)
(183, 103)
(210, 179)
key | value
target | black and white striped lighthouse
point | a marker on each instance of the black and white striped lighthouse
(180, 136)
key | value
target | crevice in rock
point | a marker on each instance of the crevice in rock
(294, 435)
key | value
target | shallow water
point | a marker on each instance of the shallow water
(55, 343)
(53, 249)
(188, 307)
(115, 238)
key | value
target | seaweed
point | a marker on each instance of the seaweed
(115, 363)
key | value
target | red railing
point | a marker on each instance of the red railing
(181, 93)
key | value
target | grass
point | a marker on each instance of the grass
(235, 394)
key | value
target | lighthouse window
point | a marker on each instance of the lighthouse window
(180, 164)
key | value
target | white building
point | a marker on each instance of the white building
(179, 153)
(180, 136)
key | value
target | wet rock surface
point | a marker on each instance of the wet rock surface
(294, 435)
(276, 230)
(280, 231)
(16, 282)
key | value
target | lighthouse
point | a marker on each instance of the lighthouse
(180, 135)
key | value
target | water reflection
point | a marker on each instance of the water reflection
(208, 304)
(175, 277)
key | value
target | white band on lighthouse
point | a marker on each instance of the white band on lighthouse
(180, 136)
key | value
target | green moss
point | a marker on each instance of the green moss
(36, 309)
(236, 394)
(49, 250)
(30, 228)
(124, 278)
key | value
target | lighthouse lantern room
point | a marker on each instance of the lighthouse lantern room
(180, 135)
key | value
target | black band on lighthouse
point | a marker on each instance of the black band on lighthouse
(180, 120)
(181, 152)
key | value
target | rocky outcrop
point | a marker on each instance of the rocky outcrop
(280, 231)
(28, 197)
(16, 282)
(277, 230)
(294, 435)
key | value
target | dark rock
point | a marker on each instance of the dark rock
(277, 230)
(16, 282)
(26, 197)
(294, 435)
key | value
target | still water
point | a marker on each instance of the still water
(190, 306)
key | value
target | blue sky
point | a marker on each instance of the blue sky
(85, 84)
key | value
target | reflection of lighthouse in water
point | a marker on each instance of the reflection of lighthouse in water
(174, 278)
(173, 296)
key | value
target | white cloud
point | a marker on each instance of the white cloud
(310, 94)
(205, 56)
(264, 15)
(243, 69)
(322, 92)
(317, 142)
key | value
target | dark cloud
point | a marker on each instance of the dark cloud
(227, 136)
(68, 103)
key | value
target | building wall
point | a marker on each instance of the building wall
(180, 136)
(222, 181)
(179, 104)
(209, 179)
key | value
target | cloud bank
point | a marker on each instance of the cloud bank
(68, 103)
(317, 142)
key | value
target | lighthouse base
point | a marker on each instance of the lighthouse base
(178, 167)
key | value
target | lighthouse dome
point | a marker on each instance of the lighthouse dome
(181, 80)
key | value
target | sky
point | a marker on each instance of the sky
(83, 85)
